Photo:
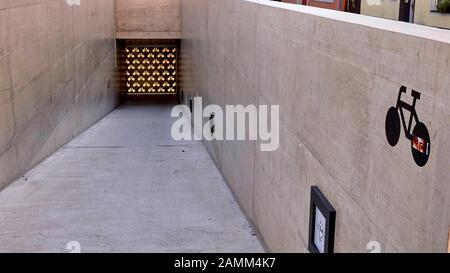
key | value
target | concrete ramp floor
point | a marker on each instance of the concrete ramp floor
(125, 186)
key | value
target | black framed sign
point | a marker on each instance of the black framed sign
(322, 221)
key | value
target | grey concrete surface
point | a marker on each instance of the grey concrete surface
(125, 186)
(57, 74)
(334, 76)
(143, 19)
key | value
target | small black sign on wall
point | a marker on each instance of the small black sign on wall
(322, 221)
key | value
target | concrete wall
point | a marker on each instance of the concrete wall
(423, 16)
(388, 9)
(148, 19)
(56, 76)
(334, 75)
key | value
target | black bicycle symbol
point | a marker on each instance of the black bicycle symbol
(420, 138)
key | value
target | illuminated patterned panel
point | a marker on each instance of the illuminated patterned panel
(151, 70)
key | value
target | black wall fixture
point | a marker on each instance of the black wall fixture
(419, 137)
(322, 222)
(191, 104)
(180, 96)
(213, 126)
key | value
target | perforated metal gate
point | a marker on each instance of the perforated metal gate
(151, 70)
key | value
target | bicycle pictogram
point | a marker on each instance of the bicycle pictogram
(419, 137)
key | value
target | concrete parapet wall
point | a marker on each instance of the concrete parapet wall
(57, 65)
(334, 75)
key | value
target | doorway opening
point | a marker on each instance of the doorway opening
(148, 67)
(406, 11)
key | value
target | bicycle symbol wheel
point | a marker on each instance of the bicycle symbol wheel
(392, 126)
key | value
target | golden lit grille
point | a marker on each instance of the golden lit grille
(151, 70)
